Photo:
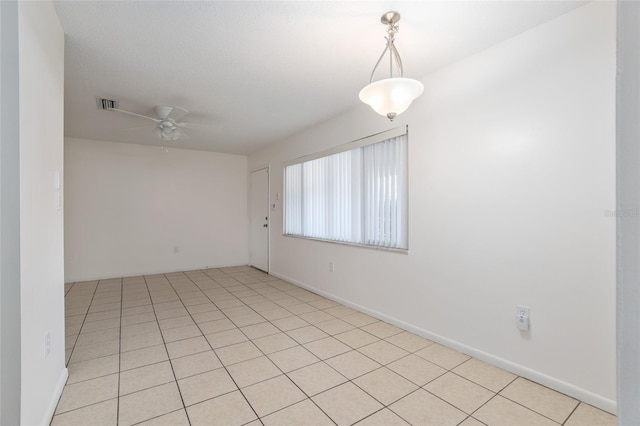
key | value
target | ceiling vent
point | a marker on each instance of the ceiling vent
(107, 104)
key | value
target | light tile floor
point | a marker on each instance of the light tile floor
(235, 346)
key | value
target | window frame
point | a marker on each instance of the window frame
(358, 143)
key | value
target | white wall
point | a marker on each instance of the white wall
(511, 168)
(9, 217)
(628, 207)
(129, 206)
(41, 62)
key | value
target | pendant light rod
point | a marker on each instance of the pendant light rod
(390, 19)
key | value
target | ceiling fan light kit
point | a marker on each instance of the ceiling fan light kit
(391, 96)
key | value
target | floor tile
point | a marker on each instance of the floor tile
(442, 356)
(226, 410)
(383, 352)
(346, 404)
(88, 392)
(540, 399)
(340, 311)
(274, 343)
(302, 413)
(359, 319)
(205, 386)
(237, 353)
(327, 348)
(276, 314)
(187, 347)
(334, 326)
(253, 371)
(95, 337)
(142, 357)
(323, 303)
(149, 403)
(382, 329)
(316, 378)
(307, 334)
(587, 415)
(216, 326)
(101, 325)
(138, 318)
(226, 338)
(175, 322)
(352, 364)
(459, 392)
(293, 358)
(93, 368)
(180, 333)
(502, 412)
(145, 377)
(301, 308)
(409, 342)
(195, 364)
(100, 414)
(385, 385)
(249, 319)
(84, 353)
(470, 421)
(175, 418)
(356, 338)
(272, 395)
(384, 417)
(128, 331)
(316, 317)
(137, 310)
(423, 408)
(290, 323)
(260, 330)
(142, 341)
(171, 313)
(416, 369)
(492, 378)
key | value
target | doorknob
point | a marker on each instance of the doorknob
(265, 225)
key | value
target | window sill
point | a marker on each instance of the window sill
(344, 243)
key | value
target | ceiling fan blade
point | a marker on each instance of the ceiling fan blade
(146, 126)
(174, 113)
(185, 125)
(135, 114)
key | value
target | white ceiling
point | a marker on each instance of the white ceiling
(256, 72)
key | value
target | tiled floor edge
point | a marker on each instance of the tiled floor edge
(68, 280)
(569, 389)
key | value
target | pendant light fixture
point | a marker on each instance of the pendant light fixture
(391, 96)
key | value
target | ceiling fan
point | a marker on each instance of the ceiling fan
(167, 125)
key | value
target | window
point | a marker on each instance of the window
(356, 193)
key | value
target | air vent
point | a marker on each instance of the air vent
(107, 104)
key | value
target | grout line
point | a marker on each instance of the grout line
(175, 379)
(119, 350)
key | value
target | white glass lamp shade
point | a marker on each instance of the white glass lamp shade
(391, 96)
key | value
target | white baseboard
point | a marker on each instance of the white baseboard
(57, 393)
(528, 373)
(81, 278)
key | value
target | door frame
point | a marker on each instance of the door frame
(266, 166)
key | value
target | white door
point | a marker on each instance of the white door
(260, 219)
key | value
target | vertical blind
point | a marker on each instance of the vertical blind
(355, 196)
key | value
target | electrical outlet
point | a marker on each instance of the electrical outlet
(47, 344)
(523, 316)
(330, 266)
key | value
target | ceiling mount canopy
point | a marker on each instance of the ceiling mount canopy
(391, 96)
